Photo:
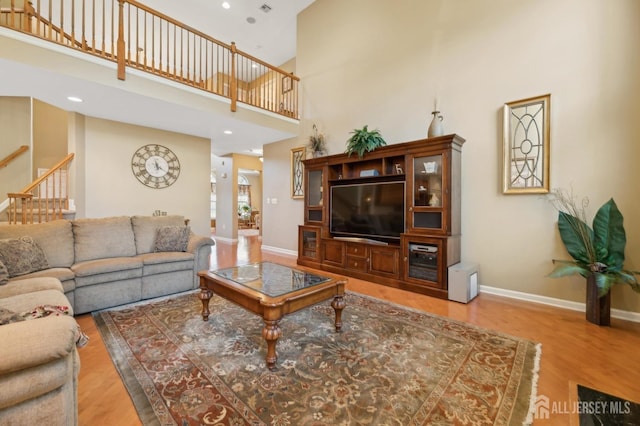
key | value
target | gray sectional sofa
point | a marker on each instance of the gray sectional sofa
(105, 262)
(39, 363)
(83, 265)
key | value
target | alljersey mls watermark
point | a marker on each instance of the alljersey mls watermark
(544, 408)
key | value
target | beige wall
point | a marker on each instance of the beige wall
(281, 214)
(382, 63)
(15, 131)
(49, 135)
(111, 189)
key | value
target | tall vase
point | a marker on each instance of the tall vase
(598, 308)
(435, 128)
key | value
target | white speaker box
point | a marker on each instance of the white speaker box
(463, 282)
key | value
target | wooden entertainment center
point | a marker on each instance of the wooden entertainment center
(418, 258)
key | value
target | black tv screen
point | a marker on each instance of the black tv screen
(368, 210)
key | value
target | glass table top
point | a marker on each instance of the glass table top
(270, 278)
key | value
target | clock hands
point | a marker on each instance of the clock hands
(158, 167)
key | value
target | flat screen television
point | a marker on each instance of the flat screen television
(368, 210)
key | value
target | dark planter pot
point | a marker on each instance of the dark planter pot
(598, 308)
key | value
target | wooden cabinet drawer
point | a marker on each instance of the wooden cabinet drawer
(357, 263)
(356, 250)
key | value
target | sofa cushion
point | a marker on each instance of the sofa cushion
(106, 270)
(144, 229)
(29, 285)
(55, 238)
(22, 255)
(32, 345)
(172, 238)
(160, 263)
(103, 238)
(63, 274)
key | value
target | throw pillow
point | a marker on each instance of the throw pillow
(172, 238)
(4, 274)
(22, 256)
(7, 316)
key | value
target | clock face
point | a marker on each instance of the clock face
(155, 166)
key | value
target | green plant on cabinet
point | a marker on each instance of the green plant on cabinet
(364, 140)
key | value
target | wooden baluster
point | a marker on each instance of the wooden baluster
(121, 46)
(234, 83)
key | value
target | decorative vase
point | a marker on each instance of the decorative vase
(435, 128)
(598, 308)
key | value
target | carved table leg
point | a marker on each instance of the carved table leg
(338, 305)
(271, 332)
(205, 296)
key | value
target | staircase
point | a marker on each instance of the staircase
(43, 200)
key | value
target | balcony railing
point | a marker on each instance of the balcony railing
(136, 36)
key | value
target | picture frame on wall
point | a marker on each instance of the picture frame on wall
(525, 146)
(287, 84)
(297, 172)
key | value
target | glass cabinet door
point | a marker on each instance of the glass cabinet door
(427, 192)
(425, 259)
(309, 240)
(314, 187)
(314, 196)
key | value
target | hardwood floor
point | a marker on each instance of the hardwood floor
(573, 350)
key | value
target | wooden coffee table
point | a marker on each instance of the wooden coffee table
(271, 291)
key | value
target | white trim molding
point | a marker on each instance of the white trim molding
(558, 303)
(226, 240)
(279, 250)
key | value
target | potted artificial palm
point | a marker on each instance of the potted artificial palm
(597, 252)
(364, 140)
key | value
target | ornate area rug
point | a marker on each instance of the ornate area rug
(389, 366)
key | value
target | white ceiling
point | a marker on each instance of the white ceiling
(271, 38)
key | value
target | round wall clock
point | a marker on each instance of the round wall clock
(155, 166)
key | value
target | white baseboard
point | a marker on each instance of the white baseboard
(279, 250)
(226, 240)
(558, 303)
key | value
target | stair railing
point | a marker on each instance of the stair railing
(15, 154)
(43, 200)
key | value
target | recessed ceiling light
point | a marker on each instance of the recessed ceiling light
(228, 132)
(251, 20)
(226, 5)
(257, 151)
(74, 99)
